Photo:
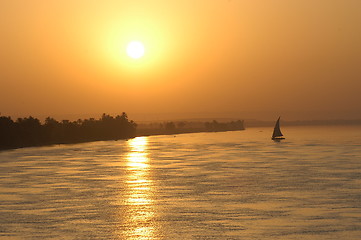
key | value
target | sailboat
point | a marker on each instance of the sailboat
(277, 134)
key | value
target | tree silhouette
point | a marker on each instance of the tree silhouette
(30, 132)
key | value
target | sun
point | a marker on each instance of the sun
(135, 49)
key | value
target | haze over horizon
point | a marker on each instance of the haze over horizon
(246, 59)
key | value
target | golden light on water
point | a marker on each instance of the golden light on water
(138, 155)
(140, 190)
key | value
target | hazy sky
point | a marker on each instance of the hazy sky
(299, 59)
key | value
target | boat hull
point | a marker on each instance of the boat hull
(278, 139)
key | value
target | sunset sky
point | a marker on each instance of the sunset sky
(238, 58)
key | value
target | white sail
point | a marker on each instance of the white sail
(277, 131)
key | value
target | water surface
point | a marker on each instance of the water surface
(229, 185)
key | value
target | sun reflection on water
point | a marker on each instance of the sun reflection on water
(140, 213)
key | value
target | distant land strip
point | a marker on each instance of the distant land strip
(260, 123)
(178, 127)
(30, 132)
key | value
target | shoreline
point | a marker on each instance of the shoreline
(158, 133)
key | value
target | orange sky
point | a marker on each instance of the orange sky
(299, 59)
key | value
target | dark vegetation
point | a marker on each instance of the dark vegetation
(26, 132)
(29, 131)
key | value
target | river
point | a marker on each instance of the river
(225, 185)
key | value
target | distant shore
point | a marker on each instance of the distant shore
(179, 127)
(30, 132)
(261, 123)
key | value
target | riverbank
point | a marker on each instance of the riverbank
(30, 132)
